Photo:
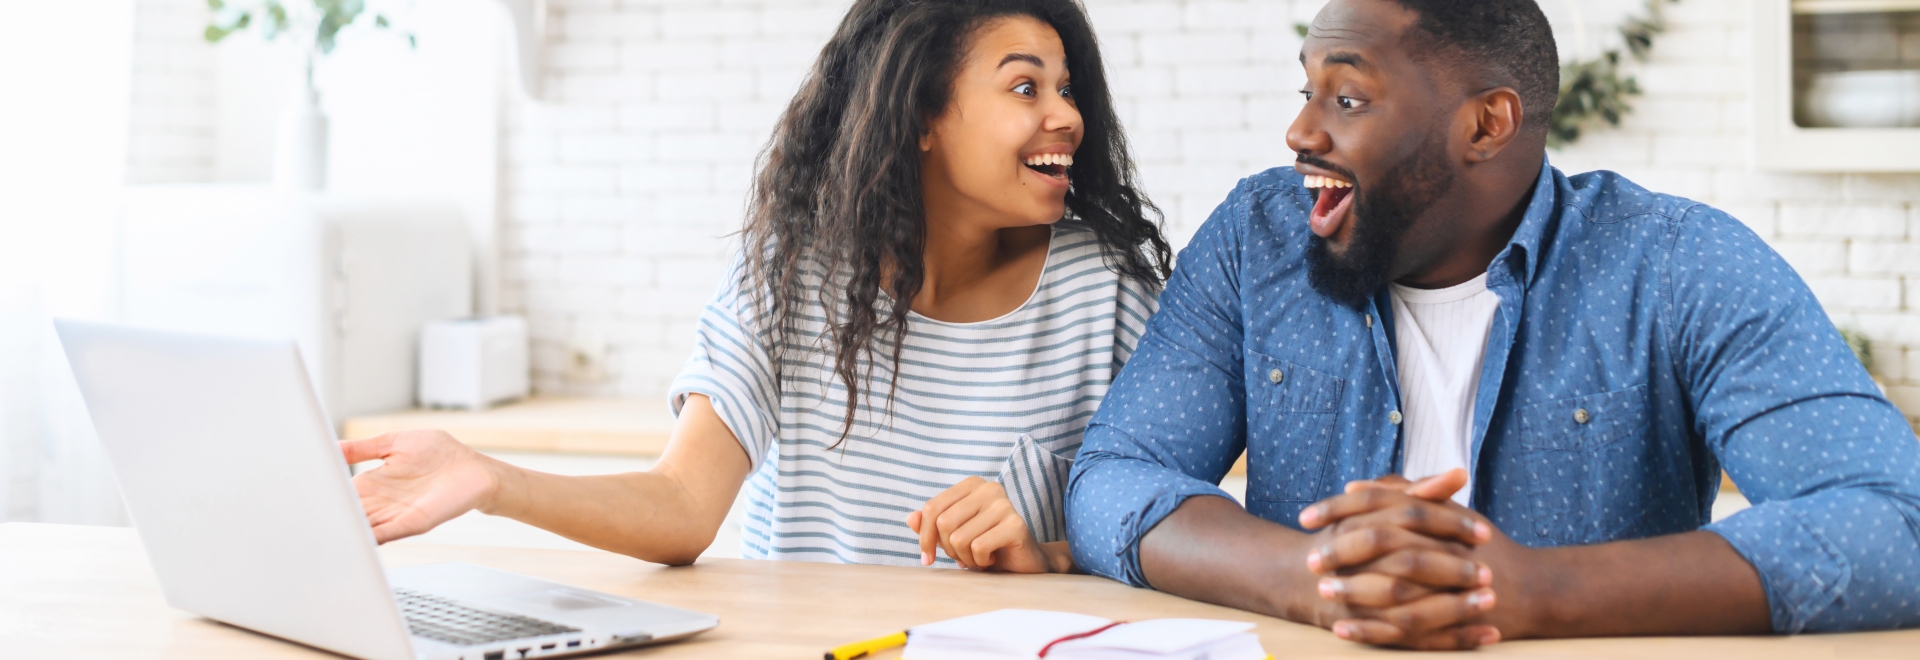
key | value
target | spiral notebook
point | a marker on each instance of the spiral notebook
(1043, 635)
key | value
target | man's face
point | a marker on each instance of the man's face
(1373, 145)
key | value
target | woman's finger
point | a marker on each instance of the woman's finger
(1008, 533)
(959, 535)
(369, 449)
(945, 522)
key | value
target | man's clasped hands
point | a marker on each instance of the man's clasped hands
(1402, 564)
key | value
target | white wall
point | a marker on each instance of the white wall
(171, 134)
(65, 68)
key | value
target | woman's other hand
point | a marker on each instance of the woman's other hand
(976, 525)
(427, 478)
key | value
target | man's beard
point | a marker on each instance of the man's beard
(1382, 214)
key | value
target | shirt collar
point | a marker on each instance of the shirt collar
(1523, 250)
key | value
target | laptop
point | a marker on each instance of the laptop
(234, 481)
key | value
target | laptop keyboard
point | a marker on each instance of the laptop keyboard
(443, 620)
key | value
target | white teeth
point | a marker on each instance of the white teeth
(1043, 160)
(1317, 181)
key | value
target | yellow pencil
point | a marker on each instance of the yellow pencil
(861, 649)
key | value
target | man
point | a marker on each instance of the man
(1573, 358)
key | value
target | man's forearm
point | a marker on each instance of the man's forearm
(1685, 584)
(1212, 550)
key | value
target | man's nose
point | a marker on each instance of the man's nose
(1306, 136)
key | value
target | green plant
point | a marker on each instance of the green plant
(1596, 88)
(314, 24)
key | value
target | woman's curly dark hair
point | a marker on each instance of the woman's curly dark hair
(839, 188)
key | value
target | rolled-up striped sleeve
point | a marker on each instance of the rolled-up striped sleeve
(730, 366)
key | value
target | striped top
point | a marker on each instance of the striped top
(1005, 399)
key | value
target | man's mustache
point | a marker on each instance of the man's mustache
(1316, 161)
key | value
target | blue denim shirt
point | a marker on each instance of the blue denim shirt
(1689, 343)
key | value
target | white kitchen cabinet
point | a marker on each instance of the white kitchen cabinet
(1836, 85)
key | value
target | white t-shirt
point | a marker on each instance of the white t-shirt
(1441, 336)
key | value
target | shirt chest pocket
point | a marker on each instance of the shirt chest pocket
(1586, 422)
(1291, 411)
(1584, 459)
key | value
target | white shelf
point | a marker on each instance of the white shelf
(1853, 6)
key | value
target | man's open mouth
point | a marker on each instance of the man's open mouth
(1331, 198)
(1053, 165)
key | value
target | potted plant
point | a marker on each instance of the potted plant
(300, 146)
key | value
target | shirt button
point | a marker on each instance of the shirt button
(1394, 417)
(1580, 416)
(1369, 320)
(1276, 376)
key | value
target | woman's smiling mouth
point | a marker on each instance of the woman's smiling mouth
(1050, 165)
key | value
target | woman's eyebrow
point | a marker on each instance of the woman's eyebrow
(1022, 57)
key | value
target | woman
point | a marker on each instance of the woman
(930, 157)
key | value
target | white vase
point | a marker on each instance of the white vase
(300, 145)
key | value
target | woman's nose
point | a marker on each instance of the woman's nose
(1061, 116)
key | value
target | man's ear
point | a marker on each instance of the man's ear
(1497, 118)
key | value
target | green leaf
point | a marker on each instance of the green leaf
(279, 15)
(381, 21)
(214, 34)
(1301, 29)
(216, 5)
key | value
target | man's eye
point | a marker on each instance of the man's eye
(1023, 89)
(1307, 94)
(1349, 103)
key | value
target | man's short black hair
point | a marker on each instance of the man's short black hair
(1494, 43)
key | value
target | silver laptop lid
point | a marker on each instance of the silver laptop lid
(233, 479)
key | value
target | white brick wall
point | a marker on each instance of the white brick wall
(170, 139)
(621, 185)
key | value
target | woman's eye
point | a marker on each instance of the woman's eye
(1307, 94)
(1023, 89)
(1066, 92)
(1349, 103)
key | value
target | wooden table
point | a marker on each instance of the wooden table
(87, 592)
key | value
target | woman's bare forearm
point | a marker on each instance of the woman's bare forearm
(668, 515)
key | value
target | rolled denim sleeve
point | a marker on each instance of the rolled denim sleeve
(1831, 466)
(1174, 421)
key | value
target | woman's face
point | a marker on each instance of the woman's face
(1001, 151)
